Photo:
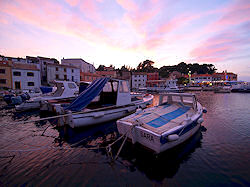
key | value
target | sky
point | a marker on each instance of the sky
(127, 32)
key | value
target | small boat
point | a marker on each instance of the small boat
(66, 90)
(208, 88)
(222, 89)
(242, 87)
(169, 86)
(104, 100)
(193, 88)
(177, 117)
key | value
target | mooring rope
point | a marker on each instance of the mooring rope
(54, 117)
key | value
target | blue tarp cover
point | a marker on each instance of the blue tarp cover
(46, 89)
(93, 90)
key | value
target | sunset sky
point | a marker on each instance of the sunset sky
(127, 32)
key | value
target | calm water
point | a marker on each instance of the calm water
(218, 155)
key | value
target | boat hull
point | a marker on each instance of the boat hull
(28, 106)
(160, 141)
(100, 116)
(155, 141)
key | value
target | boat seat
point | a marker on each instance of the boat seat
(163, 117)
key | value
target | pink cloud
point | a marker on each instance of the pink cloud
(90, 9)
(56, 20)
(220, 46)
(175, 23)
(128, 5)
(232, 15)
(72, 2)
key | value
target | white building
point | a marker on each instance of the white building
(25, 76)
(201, 78)
(84, 66)
(62, 72)
(138, 80)
(42, 62)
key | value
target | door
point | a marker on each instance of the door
(17, 85)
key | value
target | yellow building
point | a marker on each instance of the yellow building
(5, 74)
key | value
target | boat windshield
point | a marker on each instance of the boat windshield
(123, 87)
(186, 99)
(59, 90)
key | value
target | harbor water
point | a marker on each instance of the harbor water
(36, 153)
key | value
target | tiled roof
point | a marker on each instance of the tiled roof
(25, 66)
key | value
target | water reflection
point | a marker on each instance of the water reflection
(164, 165)
(133, 157)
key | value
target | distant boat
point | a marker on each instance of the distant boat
(207, 88)
(193, 88)
(222, 89)
(169, 86)
(164, 126)
(242, 87)
(65, 90)
(104, 100)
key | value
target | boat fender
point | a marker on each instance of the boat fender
(138, 111)
(130, 110)
(98, 115)
(58, 109)
(173, 137)
(200, 120)
(204, 110)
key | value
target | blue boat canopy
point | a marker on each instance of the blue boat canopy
(93, 90)
(46, 89)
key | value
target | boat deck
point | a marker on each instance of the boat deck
(163, 118)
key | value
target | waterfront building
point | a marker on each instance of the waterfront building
(152, 79)
(200, 78)
(79, 63)
(111, 74)
(89, 77)
(25, 76)
(124, 75)
(225, 76)
(44, 61)
(138, 79)
(62, 72)
(5, 74)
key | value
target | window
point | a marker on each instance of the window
(30, 74)
(72, 71)
(107, 87)
(57, 76)
(64, 69)
(71, 85)
(17, 73)
(115, 85)
(72, 78)
(2, 81)
(31, 83)
(65, 77)
(17, 85)
(123, 86)
(2, 71)
(56, 68)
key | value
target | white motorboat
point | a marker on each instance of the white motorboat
(104, 100)
(243, 87)
(169, 86)
(164, 126)
(65, 90)
(222, 89)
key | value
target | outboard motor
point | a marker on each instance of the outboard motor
(7, 98)
(25, 96)
(16, 100)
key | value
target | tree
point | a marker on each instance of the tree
(100, 68)
(146, 66)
